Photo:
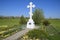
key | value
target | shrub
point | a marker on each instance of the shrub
(46, 23)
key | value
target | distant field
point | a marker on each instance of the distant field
(6, 24)
(56, 24)
(9, 22)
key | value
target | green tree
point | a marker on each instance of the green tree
(22, 20)
(38, 16)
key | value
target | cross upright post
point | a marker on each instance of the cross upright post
(31, 6)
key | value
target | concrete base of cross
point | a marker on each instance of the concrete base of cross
(30, 24)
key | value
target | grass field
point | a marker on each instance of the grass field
(8, 27)
(56, 24)
(6, 24)
(9, 22)
(52, 32)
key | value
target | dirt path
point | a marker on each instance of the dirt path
(17, 35)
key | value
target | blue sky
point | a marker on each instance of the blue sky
(51, 8)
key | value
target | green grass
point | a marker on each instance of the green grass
(9, 22)
(56, 24)
(6, 24)
(51, 30)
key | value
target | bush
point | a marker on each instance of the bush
(37, 34)
(46, 23)
(22, 20)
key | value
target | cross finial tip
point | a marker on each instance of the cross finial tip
(30, 2)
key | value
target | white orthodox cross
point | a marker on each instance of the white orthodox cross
(31, 6)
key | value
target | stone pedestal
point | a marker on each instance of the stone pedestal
(30, 24)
